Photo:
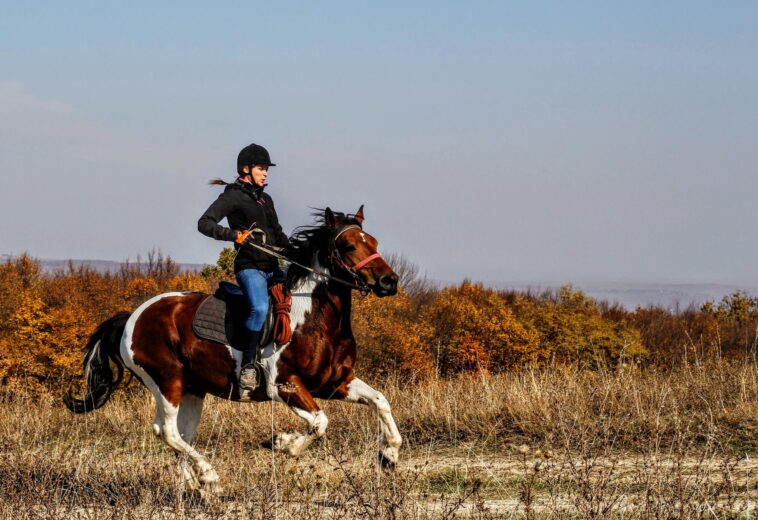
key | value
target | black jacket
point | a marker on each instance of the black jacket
(242, 204)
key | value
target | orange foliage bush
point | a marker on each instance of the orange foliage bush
(572, 328)
(141, 288)
(388, 341)
(470, 355)
(469, 320)
(188, 282)
(47, 318)
(727, 329)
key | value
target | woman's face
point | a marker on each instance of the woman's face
(258, 174)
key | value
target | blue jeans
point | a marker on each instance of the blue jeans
(254, 284)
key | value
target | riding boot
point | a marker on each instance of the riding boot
(249, 373)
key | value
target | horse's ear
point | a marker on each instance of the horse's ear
(359, 215)
(330, 219)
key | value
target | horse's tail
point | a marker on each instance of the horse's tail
(102, 348)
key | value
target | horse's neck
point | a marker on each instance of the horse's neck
(314, 296)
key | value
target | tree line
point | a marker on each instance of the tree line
(424, 331)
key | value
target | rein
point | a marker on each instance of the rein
(357, 283)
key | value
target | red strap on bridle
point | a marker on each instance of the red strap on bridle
(365, 261)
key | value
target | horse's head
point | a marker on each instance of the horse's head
(354, 251)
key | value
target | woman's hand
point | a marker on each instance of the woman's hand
(241, 237)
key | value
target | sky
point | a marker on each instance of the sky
(497, 141)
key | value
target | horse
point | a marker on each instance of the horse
(157, 344)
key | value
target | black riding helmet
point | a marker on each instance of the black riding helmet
(253, 154)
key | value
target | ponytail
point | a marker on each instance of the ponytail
(218, 182)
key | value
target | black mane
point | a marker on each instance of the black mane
(306, 241)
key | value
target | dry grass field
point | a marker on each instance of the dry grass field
(553, 443)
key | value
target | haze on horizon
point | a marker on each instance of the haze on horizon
(496, 141)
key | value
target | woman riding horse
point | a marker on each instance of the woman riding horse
(252, 217)
(156, 342)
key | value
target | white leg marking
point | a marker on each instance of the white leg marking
(360, 392)
(206, 474)
(190, 411)
(295, 443)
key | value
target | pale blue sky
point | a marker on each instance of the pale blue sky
(569, 141)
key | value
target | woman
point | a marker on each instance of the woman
(246, 206)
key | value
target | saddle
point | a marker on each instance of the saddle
(221, 317)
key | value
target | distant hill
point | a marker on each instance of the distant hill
(633, 295)
(102, 266)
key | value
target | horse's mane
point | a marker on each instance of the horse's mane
(306, 241)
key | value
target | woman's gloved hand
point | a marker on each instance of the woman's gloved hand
(256, 236)
(242, 237)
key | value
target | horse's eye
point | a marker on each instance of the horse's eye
(347, 248)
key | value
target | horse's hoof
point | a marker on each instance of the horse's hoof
(386, 463)
(189, 478)
(210, 483)
(211, 491)
(290, 443)
(275, 443)
(208, 497)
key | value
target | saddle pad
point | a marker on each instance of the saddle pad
(215, 321)
(210, 321)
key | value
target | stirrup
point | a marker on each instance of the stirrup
(249, 377)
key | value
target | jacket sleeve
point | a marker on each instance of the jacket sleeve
(209, 225)
(281, 238)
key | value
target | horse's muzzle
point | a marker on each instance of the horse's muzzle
(387, 285)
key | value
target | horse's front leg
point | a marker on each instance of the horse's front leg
(360, 392)
(299, 399)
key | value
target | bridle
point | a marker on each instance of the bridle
(336, 259)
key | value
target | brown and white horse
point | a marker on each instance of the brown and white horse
(157, 344)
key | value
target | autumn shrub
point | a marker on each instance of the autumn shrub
(737, 319)
(224, 268)
(572, 329)
(475, 329)
(724, 329)
(47, 317)
(11, 286)
(391, 338)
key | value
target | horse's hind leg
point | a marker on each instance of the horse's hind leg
(360, 392)
(190, 411)
(294, 394)
(172, 435)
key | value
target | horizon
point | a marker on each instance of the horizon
(553, 282)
